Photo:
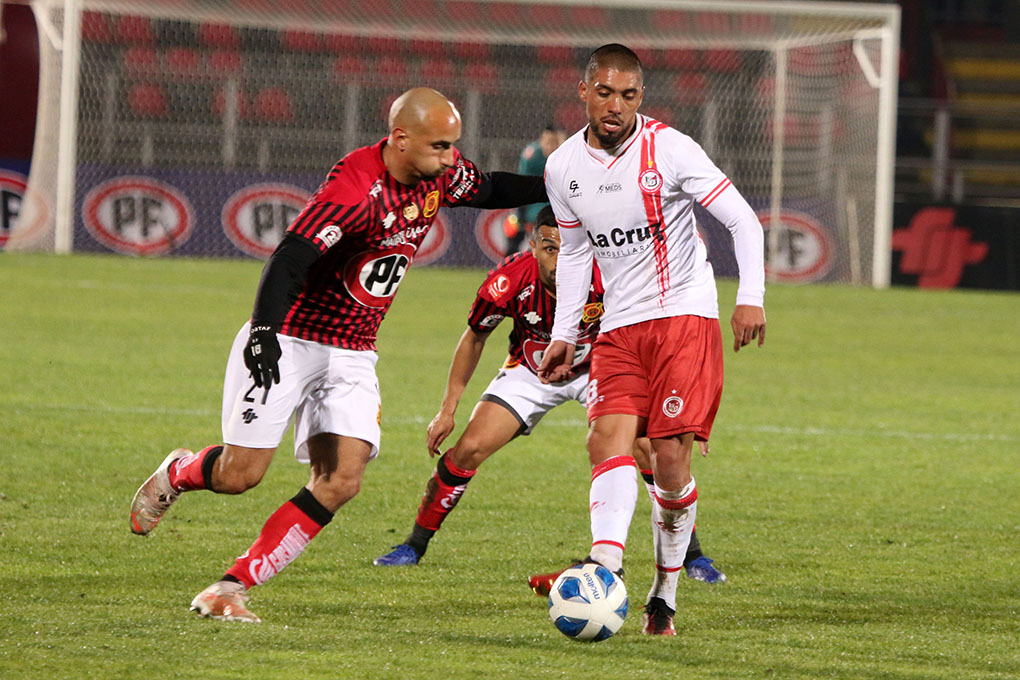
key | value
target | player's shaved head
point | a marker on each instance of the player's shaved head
(614, 56)
(422, 108)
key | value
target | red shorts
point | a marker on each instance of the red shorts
(668, 371)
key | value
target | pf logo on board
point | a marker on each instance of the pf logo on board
(138, 215)
(256, 217)
(23, 213)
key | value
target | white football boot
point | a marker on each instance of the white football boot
(155, 496)
(224, 601)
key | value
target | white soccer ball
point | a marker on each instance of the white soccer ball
(588, 602)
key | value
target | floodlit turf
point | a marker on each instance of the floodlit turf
(861, 495)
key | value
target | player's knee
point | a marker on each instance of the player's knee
(337, 489)
(469, 453)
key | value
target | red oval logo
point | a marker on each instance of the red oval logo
(23, 211)
(138, 215)
(803, 252)
(491, 235)
(372, 278)
(256, 217)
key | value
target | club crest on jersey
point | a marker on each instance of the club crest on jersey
(411, 212)
(500, 286)
(329, 235)
(672, 406)
(592, 312)
(650, 181)
(431, 203)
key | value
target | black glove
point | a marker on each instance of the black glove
(262, 356)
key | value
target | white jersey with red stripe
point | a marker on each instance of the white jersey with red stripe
(633, 211)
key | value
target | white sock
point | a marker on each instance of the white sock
(675, 512)
(612, 499)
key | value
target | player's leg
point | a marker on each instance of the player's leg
(252, 419)
(674, 510)
(338, 465)
(492, 425)
(613, 492)
(685, 391)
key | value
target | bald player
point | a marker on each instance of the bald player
(308, 351)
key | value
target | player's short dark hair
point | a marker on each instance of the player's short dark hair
(545, 218)
(613, 54)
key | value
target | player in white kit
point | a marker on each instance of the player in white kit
(623, 190)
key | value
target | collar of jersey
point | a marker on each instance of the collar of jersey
(603, 157)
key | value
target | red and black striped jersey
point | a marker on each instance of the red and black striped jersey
(514, 289)
(367, 227)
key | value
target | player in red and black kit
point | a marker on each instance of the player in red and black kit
(309, 349)
(521, 288)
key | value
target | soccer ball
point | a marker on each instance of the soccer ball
(588, 602)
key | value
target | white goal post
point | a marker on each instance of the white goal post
(194, 128)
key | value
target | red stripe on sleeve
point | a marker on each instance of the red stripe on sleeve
(714, 193)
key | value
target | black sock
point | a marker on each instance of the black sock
(207, 465)
(419, 539)
(693, 549)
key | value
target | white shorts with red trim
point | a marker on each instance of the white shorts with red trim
(325, 389)
(528, 399)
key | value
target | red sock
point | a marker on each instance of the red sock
(194, 471)
(284, 535)
(442, 493)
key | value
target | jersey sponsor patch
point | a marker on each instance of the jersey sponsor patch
(491, 321)
(499, 286)
(372, 277)
(329, 235)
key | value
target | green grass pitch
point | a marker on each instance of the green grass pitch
(862, 495)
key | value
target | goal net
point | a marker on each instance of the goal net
(199, 128)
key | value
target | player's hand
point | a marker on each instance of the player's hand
(262, 356)
(439, 429)
(748, 323)
(557, 362)
(703, 447)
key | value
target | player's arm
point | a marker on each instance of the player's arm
(700, 178)
(468, 186)
(573, 283)
(465, 361)
(318, 227)
(748, 320)
(508, 190)
(283, 278)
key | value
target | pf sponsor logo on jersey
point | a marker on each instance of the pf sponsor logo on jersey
(330, 235)
(256, 217)
(650, 181)
(673, 405)
(138, 215)
(592, 312)
(498, 286)
(491, 321)
(798, 249)
(372, 278)
(23, 212)
(534, 352)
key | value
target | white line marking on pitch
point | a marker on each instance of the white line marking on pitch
(578, 423)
